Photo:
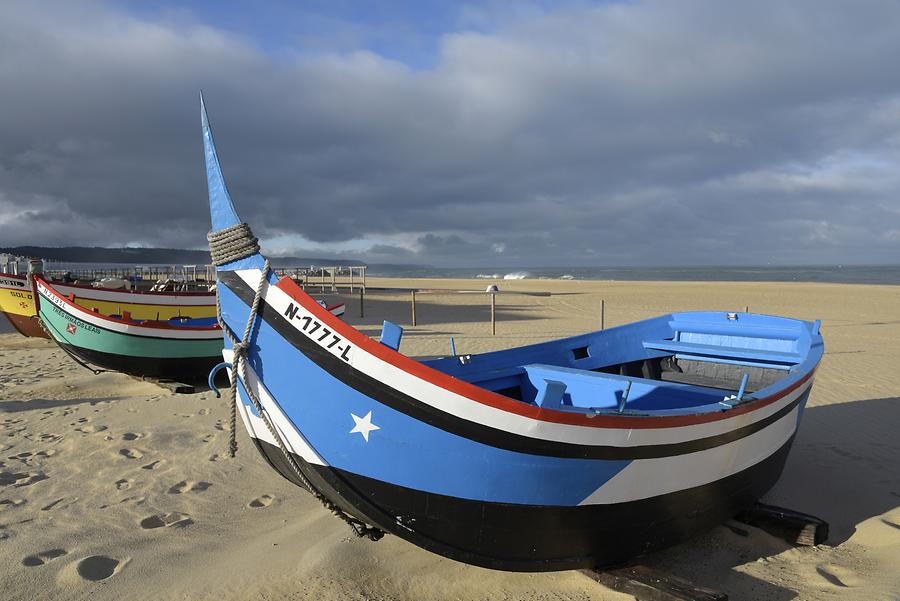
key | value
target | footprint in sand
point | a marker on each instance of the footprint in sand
(263, 501)
(164, 520)
(837, 575)
(98, 567)
(7, 478)
(215, 457)
(132, 436)
(204, 411)
(207, 438)
(20, 479)
(189, 486)
(11, 503)
(39, 559)
(124, 483)
(90, 429)
(154, 465)
(131, 453)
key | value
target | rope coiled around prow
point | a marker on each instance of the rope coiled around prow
(226, 246)
(232, 244)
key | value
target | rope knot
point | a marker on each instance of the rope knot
(232, 244)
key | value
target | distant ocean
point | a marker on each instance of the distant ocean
(841, 274)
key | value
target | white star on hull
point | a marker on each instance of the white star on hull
(363, 425)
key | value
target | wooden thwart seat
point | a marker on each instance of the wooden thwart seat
(692, 348)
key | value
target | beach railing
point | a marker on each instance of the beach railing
(326, 278)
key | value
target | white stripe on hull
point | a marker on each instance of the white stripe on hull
(256, 427)
(645, 478)
(461, 406)
(123, 327)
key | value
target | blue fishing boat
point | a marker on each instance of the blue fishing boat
(580, 452)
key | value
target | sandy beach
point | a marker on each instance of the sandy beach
(113, 488)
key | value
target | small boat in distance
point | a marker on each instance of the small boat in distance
(586, 451)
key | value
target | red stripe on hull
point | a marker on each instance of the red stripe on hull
(486, 397)
(77, 310)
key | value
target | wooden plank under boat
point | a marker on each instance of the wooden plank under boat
(581, 452)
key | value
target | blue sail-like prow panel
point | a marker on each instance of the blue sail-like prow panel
(221, 209)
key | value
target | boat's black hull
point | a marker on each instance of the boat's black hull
(531, 538)
(190, 370)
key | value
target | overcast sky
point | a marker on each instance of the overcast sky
(503, 134)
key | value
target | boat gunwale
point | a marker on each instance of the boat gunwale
(77, 310)
(151, 293)
(486, 397)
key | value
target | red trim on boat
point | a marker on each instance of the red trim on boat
(497, 401)
(149, 293)
(150, 324)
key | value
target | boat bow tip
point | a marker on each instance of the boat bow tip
(221, 209)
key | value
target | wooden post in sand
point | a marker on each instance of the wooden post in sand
(362, 302)
(493, 313)
(747, 309)
(602, 314)
(414, 307)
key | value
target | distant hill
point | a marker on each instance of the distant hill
(158, 256)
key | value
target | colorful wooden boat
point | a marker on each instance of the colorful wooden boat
(17, 304)
(585, 451)
(182, 349)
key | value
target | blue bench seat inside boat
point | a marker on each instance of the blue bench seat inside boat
(762, 345)
(580, 390)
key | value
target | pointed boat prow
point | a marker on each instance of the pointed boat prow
(221, 209)
(578, 452)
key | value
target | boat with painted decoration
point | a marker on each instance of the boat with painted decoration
(581, 452)
(17, 305)
(17, 302)
(181, 348)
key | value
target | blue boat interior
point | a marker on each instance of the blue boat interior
(681, 363)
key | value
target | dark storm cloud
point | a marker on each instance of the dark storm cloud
(646, 133)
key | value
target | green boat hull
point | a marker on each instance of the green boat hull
(181, 359)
